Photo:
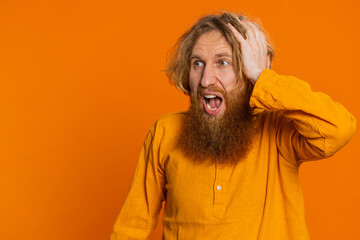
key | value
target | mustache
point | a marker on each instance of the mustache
(201, 89)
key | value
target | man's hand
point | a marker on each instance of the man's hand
(253, 50)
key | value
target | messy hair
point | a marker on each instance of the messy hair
(178, 66)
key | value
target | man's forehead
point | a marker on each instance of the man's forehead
(212, 43)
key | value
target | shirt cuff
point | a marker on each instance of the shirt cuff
(266, 76)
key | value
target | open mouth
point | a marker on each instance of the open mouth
(213, 102)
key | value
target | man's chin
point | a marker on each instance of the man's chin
(212, 119)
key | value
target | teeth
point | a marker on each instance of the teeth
(209, 96)
(209, 107)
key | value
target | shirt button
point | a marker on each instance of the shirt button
(219, 187)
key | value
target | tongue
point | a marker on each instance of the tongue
(214, 102)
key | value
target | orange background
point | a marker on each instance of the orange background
(81, 82)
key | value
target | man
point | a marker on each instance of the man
(229, 167)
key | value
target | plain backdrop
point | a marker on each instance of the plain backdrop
(81, 82)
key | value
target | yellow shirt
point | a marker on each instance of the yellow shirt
(260, 197)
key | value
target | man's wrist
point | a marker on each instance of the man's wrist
(256, 76)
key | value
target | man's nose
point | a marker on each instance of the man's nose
(208, 78)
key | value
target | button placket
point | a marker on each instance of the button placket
(222, 175)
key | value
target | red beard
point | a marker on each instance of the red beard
(226, 138)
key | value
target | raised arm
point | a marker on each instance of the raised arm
(310, 125)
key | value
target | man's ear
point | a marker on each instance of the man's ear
(268, 62)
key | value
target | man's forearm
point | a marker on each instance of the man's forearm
(315, 115)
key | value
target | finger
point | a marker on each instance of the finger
(250, 33)
(259, 36)
(262, 38)
(237, 35)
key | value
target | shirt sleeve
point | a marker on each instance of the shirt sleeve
(310, 125)
(140, 212)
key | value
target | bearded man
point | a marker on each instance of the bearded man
(229, 167)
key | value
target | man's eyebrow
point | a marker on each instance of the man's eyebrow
(194, 56)
(223, 54)
(218, 55)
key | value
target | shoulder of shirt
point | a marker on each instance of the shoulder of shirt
(165, 132)
(168, 124)
(170, 120)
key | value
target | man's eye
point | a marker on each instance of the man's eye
(198, 64)
(224, 63)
